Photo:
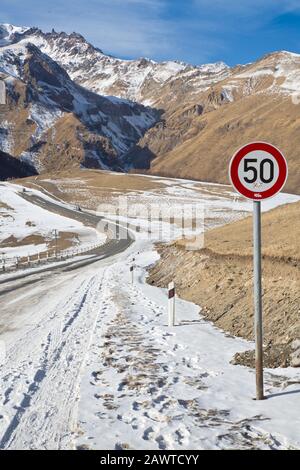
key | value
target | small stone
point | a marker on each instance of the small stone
(295, 358)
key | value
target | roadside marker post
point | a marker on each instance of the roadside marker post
(258, 171)
(55, 233)
(131, 272)
(171, 304)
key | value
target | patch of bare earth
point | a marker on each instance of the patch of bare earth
(88, 188)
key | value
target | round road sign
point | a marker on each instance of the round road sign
(258, 171)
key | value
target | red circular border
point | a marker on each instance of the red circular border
(241, 153)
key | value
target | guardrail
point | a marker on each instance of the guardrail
(10, 264)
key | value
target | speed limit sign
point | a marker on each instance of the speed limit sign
(258, 171)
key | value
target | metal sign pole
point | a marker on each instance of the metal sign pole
(258, 300)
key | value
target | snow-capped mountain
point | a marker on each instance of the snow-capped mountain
(48, 114)
(259, 101)
(138, 80)
(198, 115)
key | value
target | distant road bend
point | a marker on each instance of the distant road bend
(110, 248)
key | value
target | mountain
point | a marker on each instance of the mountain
(259, 101)
(52, 122)
(186, 120)
(137, 80)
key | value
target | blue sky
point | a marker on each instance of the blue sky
(195, 31)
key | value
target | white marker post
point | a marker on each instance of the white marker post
(132, 270)
(132, 276)
(55, 233)
(258, 171)
(171, 304)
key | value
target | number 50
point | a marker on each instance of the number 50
(261, 171)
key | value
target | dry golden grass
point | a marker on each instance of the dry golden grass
(4, 206)
(205, 150)
(95, 179)
(280, 234)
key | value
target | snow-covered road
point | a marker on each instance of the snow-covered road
(41, 377)
(92, 364)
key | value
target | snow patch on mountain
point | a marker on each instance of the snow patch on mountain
(44, 117)
(136, 80)
(8, 33)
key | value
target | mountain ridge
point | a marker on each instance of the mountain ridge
(200, 114)
(41, 98)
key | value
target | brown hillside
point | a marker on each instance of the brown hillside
(204, 122)
(213, 137)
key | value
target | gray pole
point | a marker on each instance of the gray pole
(258, 300)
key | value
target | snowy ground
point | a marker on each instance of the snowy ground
(90, 363)
(148, 386)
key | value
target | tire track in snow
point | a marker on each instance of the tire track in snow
(44, 388)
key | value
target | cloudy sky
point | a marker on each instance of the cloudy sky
(195, 31)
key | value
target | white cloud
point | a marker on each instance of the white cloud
(128, 28)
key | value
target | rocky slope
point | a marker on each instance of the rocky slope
(219, 279)
(257, 102)
(53, 123)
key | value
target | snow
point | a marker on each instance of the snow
(91, 363)
(213, 68)
(6, 136)
(44, 117)
(170, 388)
(255, 73)
(7, 31)
(227, 92)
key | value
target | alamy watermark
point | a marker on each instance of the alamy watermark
(154, 221)
(2, 92)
